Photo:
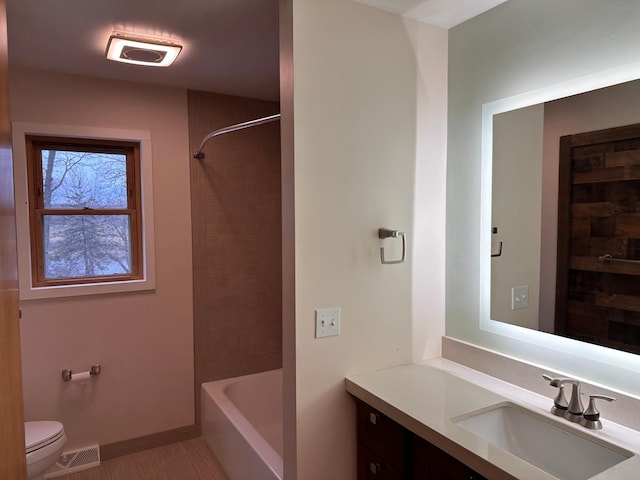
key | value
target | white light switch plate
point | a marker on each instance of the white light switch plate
(519, 297)
(327, 322)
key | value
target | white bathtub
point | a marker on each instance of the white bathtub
(242, 423)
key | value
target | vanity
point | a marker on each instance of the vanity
(416, 422)
(389, 451)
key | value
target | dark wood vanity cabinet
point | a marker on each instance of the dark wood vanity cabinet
(383, 445)
(388, 451)
(431, 463)
(373, 467)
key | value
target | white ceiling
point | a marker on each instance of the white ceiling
(442, 13)
(230, 46)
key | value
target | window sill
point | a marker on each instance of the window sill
(62, 291)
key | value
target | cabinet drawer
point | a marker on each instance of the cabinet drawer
(382, 436)
(372, 467)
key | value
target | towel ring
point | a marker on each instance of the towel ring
(388, 233)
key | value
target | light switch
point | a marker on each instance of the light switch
(327, 322)
(519, 297)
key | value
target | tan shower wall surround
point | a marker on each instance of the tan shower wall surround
(236, 225)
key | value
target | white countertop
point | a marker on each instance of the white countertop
(424, 397)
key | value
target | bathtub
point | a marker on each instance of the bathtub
(242, 423)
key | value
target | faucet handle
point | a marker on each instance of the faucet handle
(560, 403)
(591, 416)
(592, 413)
(557, 381)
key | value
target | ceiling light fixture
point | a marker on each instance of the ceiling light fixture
(140, 50)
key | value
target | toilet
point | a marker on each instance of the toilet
(44, 442)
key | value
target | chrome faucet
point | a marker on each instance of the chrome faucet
(574, 411)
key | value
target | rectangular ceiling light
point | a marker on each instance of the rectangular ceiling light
(142, 50)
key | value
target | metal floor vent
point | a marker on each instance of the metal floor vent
(74, 461)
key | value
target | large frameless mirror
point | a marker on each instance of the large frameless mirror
(565, 215)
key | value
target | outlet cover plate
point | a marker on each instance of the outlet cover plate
(327, 322)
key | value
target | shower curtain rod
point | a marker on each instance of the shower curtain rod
(199, 154)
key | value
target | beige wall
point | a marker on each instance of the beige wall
(144, 341)
(369, 112)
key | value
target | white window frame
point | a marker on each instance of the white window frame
(26, 288)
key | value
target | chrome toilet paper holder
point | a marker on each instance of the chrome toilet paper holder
(67, 374)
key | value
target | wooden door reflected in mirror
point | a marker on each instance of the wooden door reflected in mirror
(598, 276)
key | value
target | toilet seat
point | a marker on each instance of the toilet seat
(40, 434)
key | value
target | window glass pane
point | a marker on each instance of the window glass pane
(84, 179)
(86, 245)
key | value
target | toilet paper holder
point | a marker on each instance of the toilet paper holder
(67, 374)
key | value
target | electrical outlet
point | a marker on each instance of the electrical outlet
(519, 297)
(327, 322)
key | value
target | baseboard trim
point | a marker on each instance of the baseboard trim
(133, 445)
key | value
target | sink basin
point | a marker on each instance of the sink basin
(541, 441)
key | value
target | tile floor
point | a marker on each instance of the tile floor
(188, 460)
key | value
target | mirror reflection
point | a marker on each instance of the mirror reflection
(566, 217)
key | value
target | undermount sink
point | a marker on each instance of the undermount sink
(541, 441)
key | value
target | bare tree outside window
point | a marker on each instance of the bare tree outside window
(87, 199)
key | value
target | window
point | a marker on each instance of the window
(85, 213)
(44, 276)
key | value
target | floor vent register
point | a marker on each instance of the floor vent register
(74, 461)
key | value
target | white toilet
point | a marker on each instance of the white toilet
(44, 442)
